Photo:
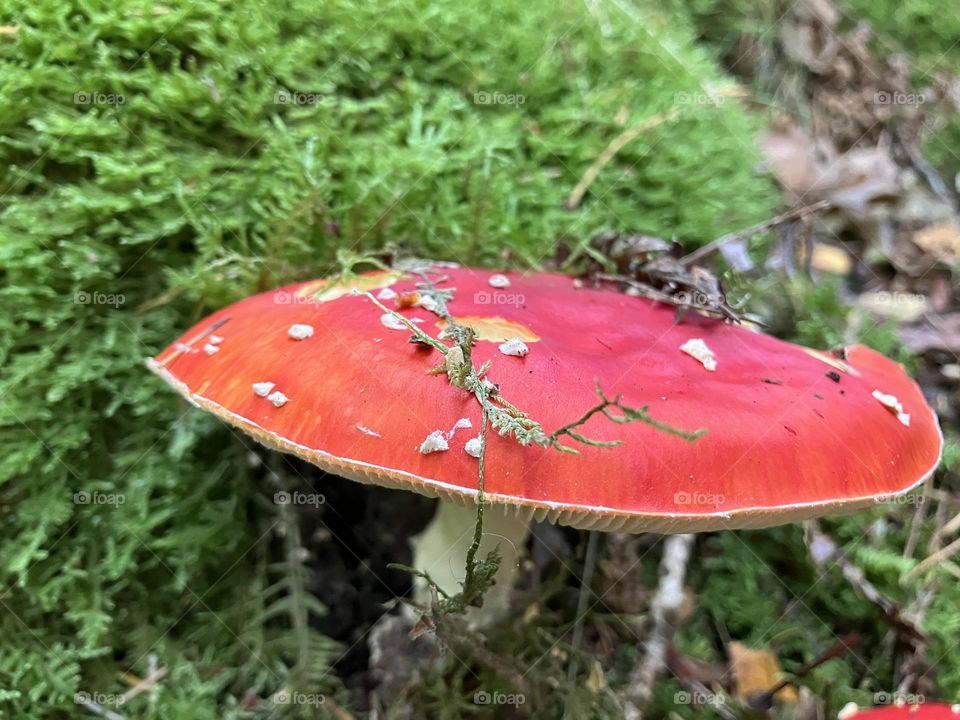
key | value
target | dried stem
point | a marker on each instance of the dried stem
(711, 247)
(664, 611)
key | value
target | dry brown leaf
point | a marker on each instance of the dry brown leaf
(810, 170)
(859, 177)
(423, 626)
(807, 43)
(792, 157)
(831, 259)
(940, 333)
(596, 681)
(824, 10)
(755, 672)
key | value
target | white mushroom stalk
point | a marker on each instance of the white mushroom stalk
(442, 548)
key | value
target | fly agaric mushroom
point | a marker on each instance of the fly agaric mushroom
(901, 711)
(793, 433)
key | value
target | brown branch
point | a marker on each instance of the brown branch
(823, 550)
(711, 247)
(148, 683)
(934, 559)
(664, 612)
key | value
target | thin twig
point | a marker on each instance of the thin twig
(848, 643)
(184, 347)
(589, 565)
(98, 709)
(952, 526)
(934, 559)
(148, 683)
(711, 247)
(919, 514)
(719, 310)
(615, 146)
(823, 550)
(664, 611)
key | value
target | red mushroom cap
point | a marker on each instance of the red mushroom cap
(792, 433)
(903, 711)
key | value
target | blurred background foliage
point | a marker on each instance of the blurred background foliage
(160, 160)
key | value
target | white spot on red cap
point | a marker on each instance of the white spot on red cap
(461, 424)
(515, 347)
(429, 304)
(386, 294)
(210, 349)
(848, 711)
(698, 350)
(215, 339)
(473, 447)
(263, 388)
(893, 405)
(389, 320)
(278, 399)
(499, 281)
(435, 442)
(300, 332)
(368, 431)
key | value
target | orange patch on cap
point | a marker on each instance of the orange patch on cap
(494, 329)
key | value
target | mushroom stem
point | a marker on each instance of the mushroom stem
(441, 552)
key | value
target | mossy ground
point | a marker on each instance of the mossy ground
(158, 161)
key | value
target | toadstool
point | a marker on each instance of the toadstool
(793, 433)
